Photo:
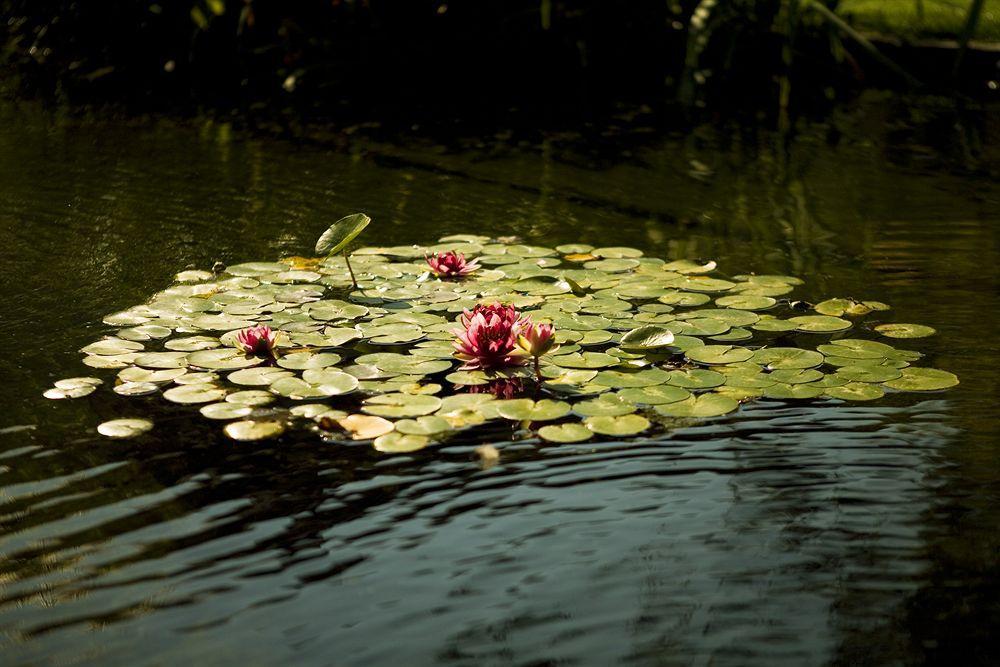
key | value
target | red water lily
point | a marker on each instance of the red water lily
(451, 264)
(488, 338)
(258, 340)
(536, 340)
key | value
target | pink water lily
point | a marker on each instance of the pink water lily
(451, 264)
(258, 340)
(488, 338)
(537, 339)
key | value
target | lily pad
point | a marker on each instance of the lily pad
(703, 405)
(923, 379)
(124, 428)
(856, 391)
(251, 429)
(787, 357)
(365, 427)
(718, 354)
(565, 433)
(621, 426)
(341, 233)
(604, 405)
(525, 409)
(400, 443)
(647, 338)
(195, 393)
(225, 411)
(905, 330)
(401, 405)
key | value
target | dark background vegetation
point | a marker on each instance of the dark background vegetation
(434, 58)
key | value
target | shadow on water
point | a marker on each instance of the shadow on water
(787, 533)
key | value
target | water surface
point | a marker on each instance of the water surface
(786, 533)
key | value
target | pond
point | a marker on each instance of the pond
(787, 532)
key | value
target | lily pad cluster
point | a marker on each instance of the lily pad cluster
(643, 343)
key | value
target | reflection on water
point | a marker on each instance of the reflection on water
(786, 533)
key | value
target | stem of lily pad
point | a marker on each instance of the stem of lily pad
(538, 372)
(350, 270)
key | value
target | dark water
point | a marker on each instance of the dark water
(787, 533)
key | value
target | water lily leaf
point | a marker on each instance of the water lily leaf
(393, 334)
(340, 233)
(467, 378)
(124, 428)
(686, 266)
(855, 348)
(192, 343)
(604, 405)
(525, 409)
(457, 402)
(573, 248)
(703, 405)
(905, 330)
(365, 427)
(700, 326)
(869, 373)
(787, 357)
(195, 393)
(819, 323)
(923, 379)
(647, 338)
(839, 307)
(746, 302)
(250, 397)
(400, 443)
(617, 426)
(795, 375)
(584, 360)
(136, 374)
(308, 360)
(296, 389)
(252, 429)
(689, 299)
(219, 359)
(331, 382)
(109, 361)
(429, 425)
(783, 390)
(627, 379)
(718, 354)
(733, 335)
(564, 433)
(136, 388)
(773, 324)
(612, 265)
(225, 411)
(56, 393)
(112, 347)
(258, 376)
(401, 405)
(78, 383)
(856, 391)
(657, 395)
(704, 284)
(696, 378)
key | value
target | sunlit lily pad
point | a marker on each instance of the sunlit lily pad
(784, 390)
(604, 405)
(308, 360)
(659, 395)
(225, 411)
(253, 429)
(905, 330)
(565, 433)
(647, 338)
(195, 393)
(869, 373)
(702, 405)
(340, 233)
(525, 409)
(787, 357)
(219, 359)
(696, 378)
(365, 427)
(621, 426)
(923, 379)
(718, 354)
(401, 405)
(124, 428)
(819, 323)
(400, 443)
(429, 425)
(856, 391)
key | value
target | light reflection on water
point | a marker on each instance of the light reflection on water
(787, 533)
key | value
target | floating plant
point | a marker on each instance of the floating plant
(408, 345)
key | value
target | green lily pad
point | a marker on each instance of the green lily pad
(657, 395)
(400, 443)
(746, 302)
(136, 388)
(819, 323)
(904, 330)
(251, 429)
(604, 405)
(250, 397)
(787, 357)
(617, 426)
(195, 393)
(308, 360)
(782, 390)
(124, 428)
(429, 425)
(401, 405)
(923, 379)
(219, 359)
(331, 382)
(225, 411)
(703, 405)
(585, 360)
(696, 378)
(258, 376)
(647, 338)
(112, 347)
(525, 409)
(856, 391)
(565, 433)
(869, 373)
(718, 354)
(340, 234)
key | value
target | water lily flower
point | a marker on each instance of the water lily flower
(451, 264)
(258, 340)
(488, 338)
(537, 339)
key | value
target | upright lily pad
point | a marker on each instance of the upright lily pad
(340, 233)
